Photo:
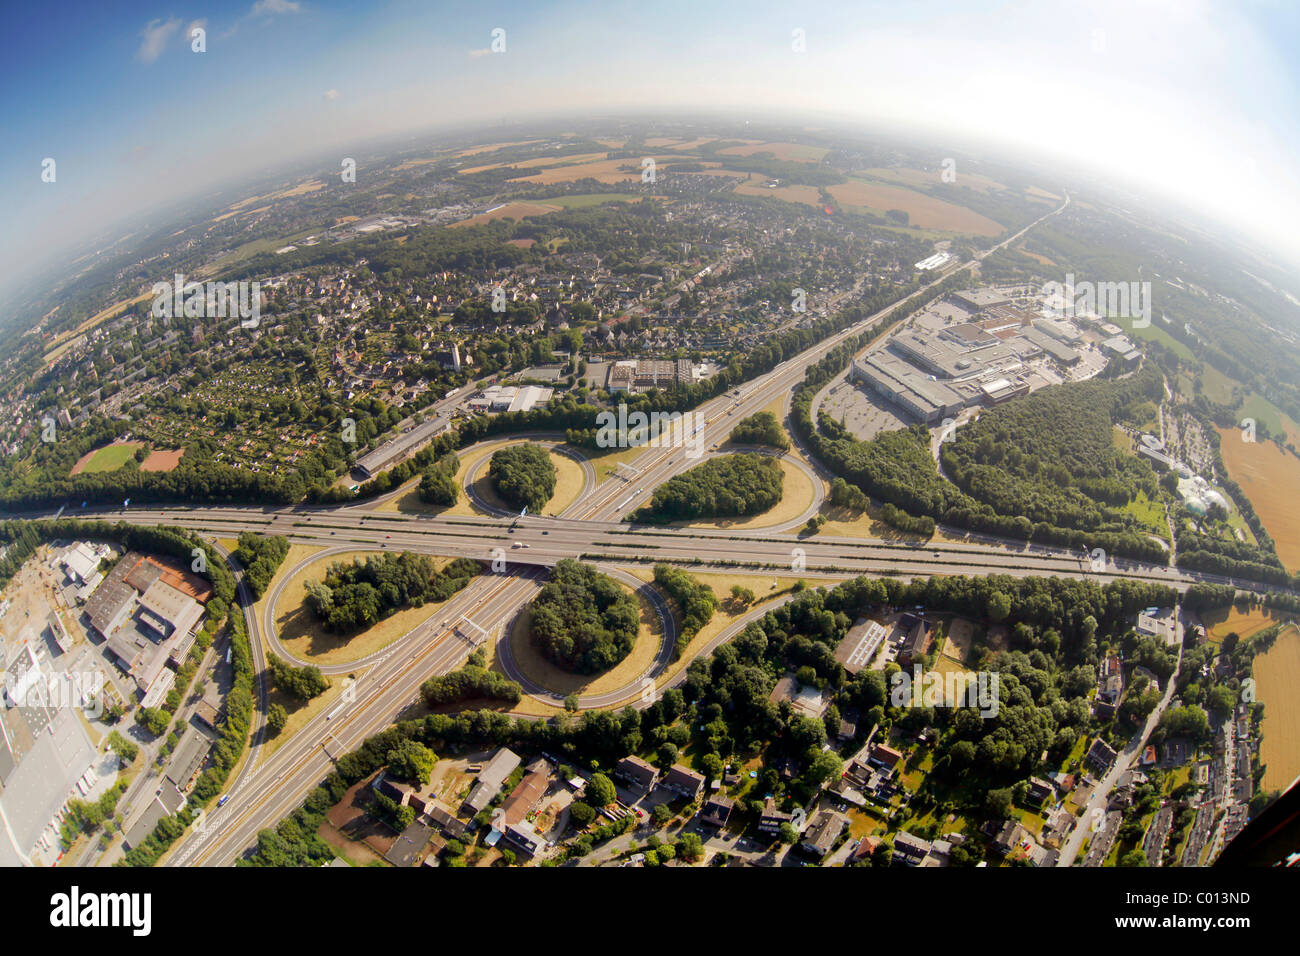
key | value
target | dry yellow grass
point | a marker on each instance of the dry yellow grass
(300, 712)
(603, 171)
(754, 186)
(1219, 624)
(923, 211)
(792, 152)
(542, 672)
(303, 636)
(514, 210)
(1277, 674)
(796, 497)
(765, 591)
(843, 523)
(491, 147)
(1270, 477)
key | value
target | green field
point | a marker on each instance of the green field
(109, 458)
(1154, 333)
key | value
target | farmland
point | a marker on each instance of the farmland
(1277, 673)
(1270, 477)
(922, 210)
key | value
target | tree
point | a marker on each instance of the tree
(999, 607)
(600, 791)
(581, 814)
(276, 718)
(691, 847)
(998, 802)
(788, 834)
(523, 475)
(412, 761)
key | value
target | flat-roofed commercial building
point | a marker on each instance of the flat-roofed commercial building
(928, 400)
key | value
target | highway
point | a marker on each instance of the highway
(269, 785)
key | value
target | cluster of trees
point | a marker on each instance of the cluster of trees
(438, 486)
(897, 468)
(260, 557)
(761, 428)
(302, 682)
(845, 495)
(471, 682)
(697, 601)
(583, 620)
(356, 595)
(1051, 455)
(730, 486)
(523, 475)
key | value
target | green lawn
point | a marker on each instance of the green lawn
(110, 458)
(1154, 333)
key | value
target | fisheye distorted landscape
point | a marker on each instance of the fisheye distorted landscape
(441, 436)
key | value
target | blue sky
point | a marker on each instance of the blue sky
(1192, 98)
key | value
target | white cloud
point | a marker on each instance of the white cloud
(267, 8)
(332, 94)
(154, 38)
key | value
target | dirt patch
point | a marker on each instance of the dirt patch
(161, 460)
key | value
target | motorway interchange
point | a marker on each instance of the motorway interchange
(269, 785)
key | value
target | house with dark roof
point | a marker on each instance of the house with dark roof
(490, 780)
(636, 773)
(717, 810)
(683, 780)
(771, 819)
(822, 832)
(1100, 756)
(910, 850)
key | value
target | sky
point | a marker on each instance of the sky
(1192, 99)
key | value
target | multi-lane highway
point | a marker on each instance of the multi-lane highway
(271, 784)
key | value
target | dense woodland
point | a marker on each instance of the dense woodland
(726, 487)
(524, 476)
(582, 620)
(355, 595)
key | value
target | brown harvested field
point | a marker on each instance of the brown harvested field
(514, 210)
(541, 671)
(1034, 255)
(695, 143)
(1270, 477)
(923, 211)
(492, 147)
(808, 195)
(1042, 194)
(521, 243)
(1219, 624)
(540, 162)
(160, 460)
(604, 171)
(791, 152)
(1277, 674)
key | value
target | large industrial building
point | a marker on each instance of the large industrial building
(933, 373)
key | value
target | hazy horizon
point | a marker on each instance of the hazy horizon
(1165, 96)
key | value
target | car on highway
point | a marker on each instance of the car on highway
(222, 801)
(519, 544)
